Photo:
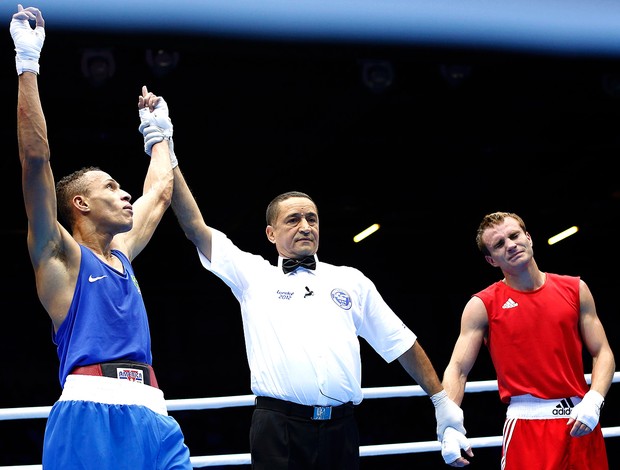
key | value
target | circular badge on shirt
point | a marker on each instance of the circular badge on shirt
(341, 298)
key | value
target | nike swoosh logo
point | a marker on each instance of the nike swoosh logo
(94, 279)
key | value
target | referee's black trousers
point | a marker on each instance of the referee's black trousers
(281, 441)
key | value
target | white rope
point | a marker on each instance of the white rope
(248, 400)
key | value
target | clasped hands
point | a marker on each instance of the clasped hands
(450, 430)
(155, 123)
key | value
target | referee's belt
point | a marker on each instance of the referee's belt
(315, 413)
(123, 370)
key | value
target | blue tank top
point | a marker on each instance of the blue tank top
(107, 319)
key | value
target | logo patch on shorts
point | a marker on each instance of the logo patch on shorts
(133, 375)
(564, 408)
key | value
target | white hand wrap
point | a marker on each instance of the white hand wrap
(452, 443)
(152, 135)
(159, 117)
(28, 43)
(588, 411)
(447, 413)
(173, 158)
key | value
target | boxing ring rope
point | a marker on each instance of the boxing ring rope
(248, 400)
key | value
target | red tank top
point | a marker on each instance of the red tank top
(534, 339)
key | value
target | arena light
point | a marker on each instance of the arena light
(98, 65)
(562, 235)
(365, 233)
(162, 61)
(567, 26)
(455, 74)
(377, 75)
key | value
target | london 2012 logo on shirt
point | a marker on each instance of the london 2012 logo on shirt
(342, 298)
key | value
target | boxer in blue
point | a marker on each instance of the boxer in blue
(111, 414)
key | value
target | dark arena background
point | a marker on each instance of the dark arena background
(419, 118)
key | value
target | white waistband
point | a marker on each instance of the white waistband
(113, 392)
(529, 407)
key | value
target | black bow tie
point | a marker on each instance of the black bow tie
(290, 265)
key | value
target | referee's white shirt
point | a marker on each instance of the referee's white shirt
(301, 329)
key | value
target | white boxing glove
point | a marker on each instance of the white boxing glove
(447, 413)
(588, 411)
(452, 443)
(28, 41)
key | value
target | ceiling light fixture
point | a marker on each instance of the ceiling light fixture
(365, 233)
(98, 65)
(377, 75)
(162, 61)
(562, 235)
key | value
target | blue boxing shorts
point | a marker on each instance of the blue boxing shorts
(105, 423)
